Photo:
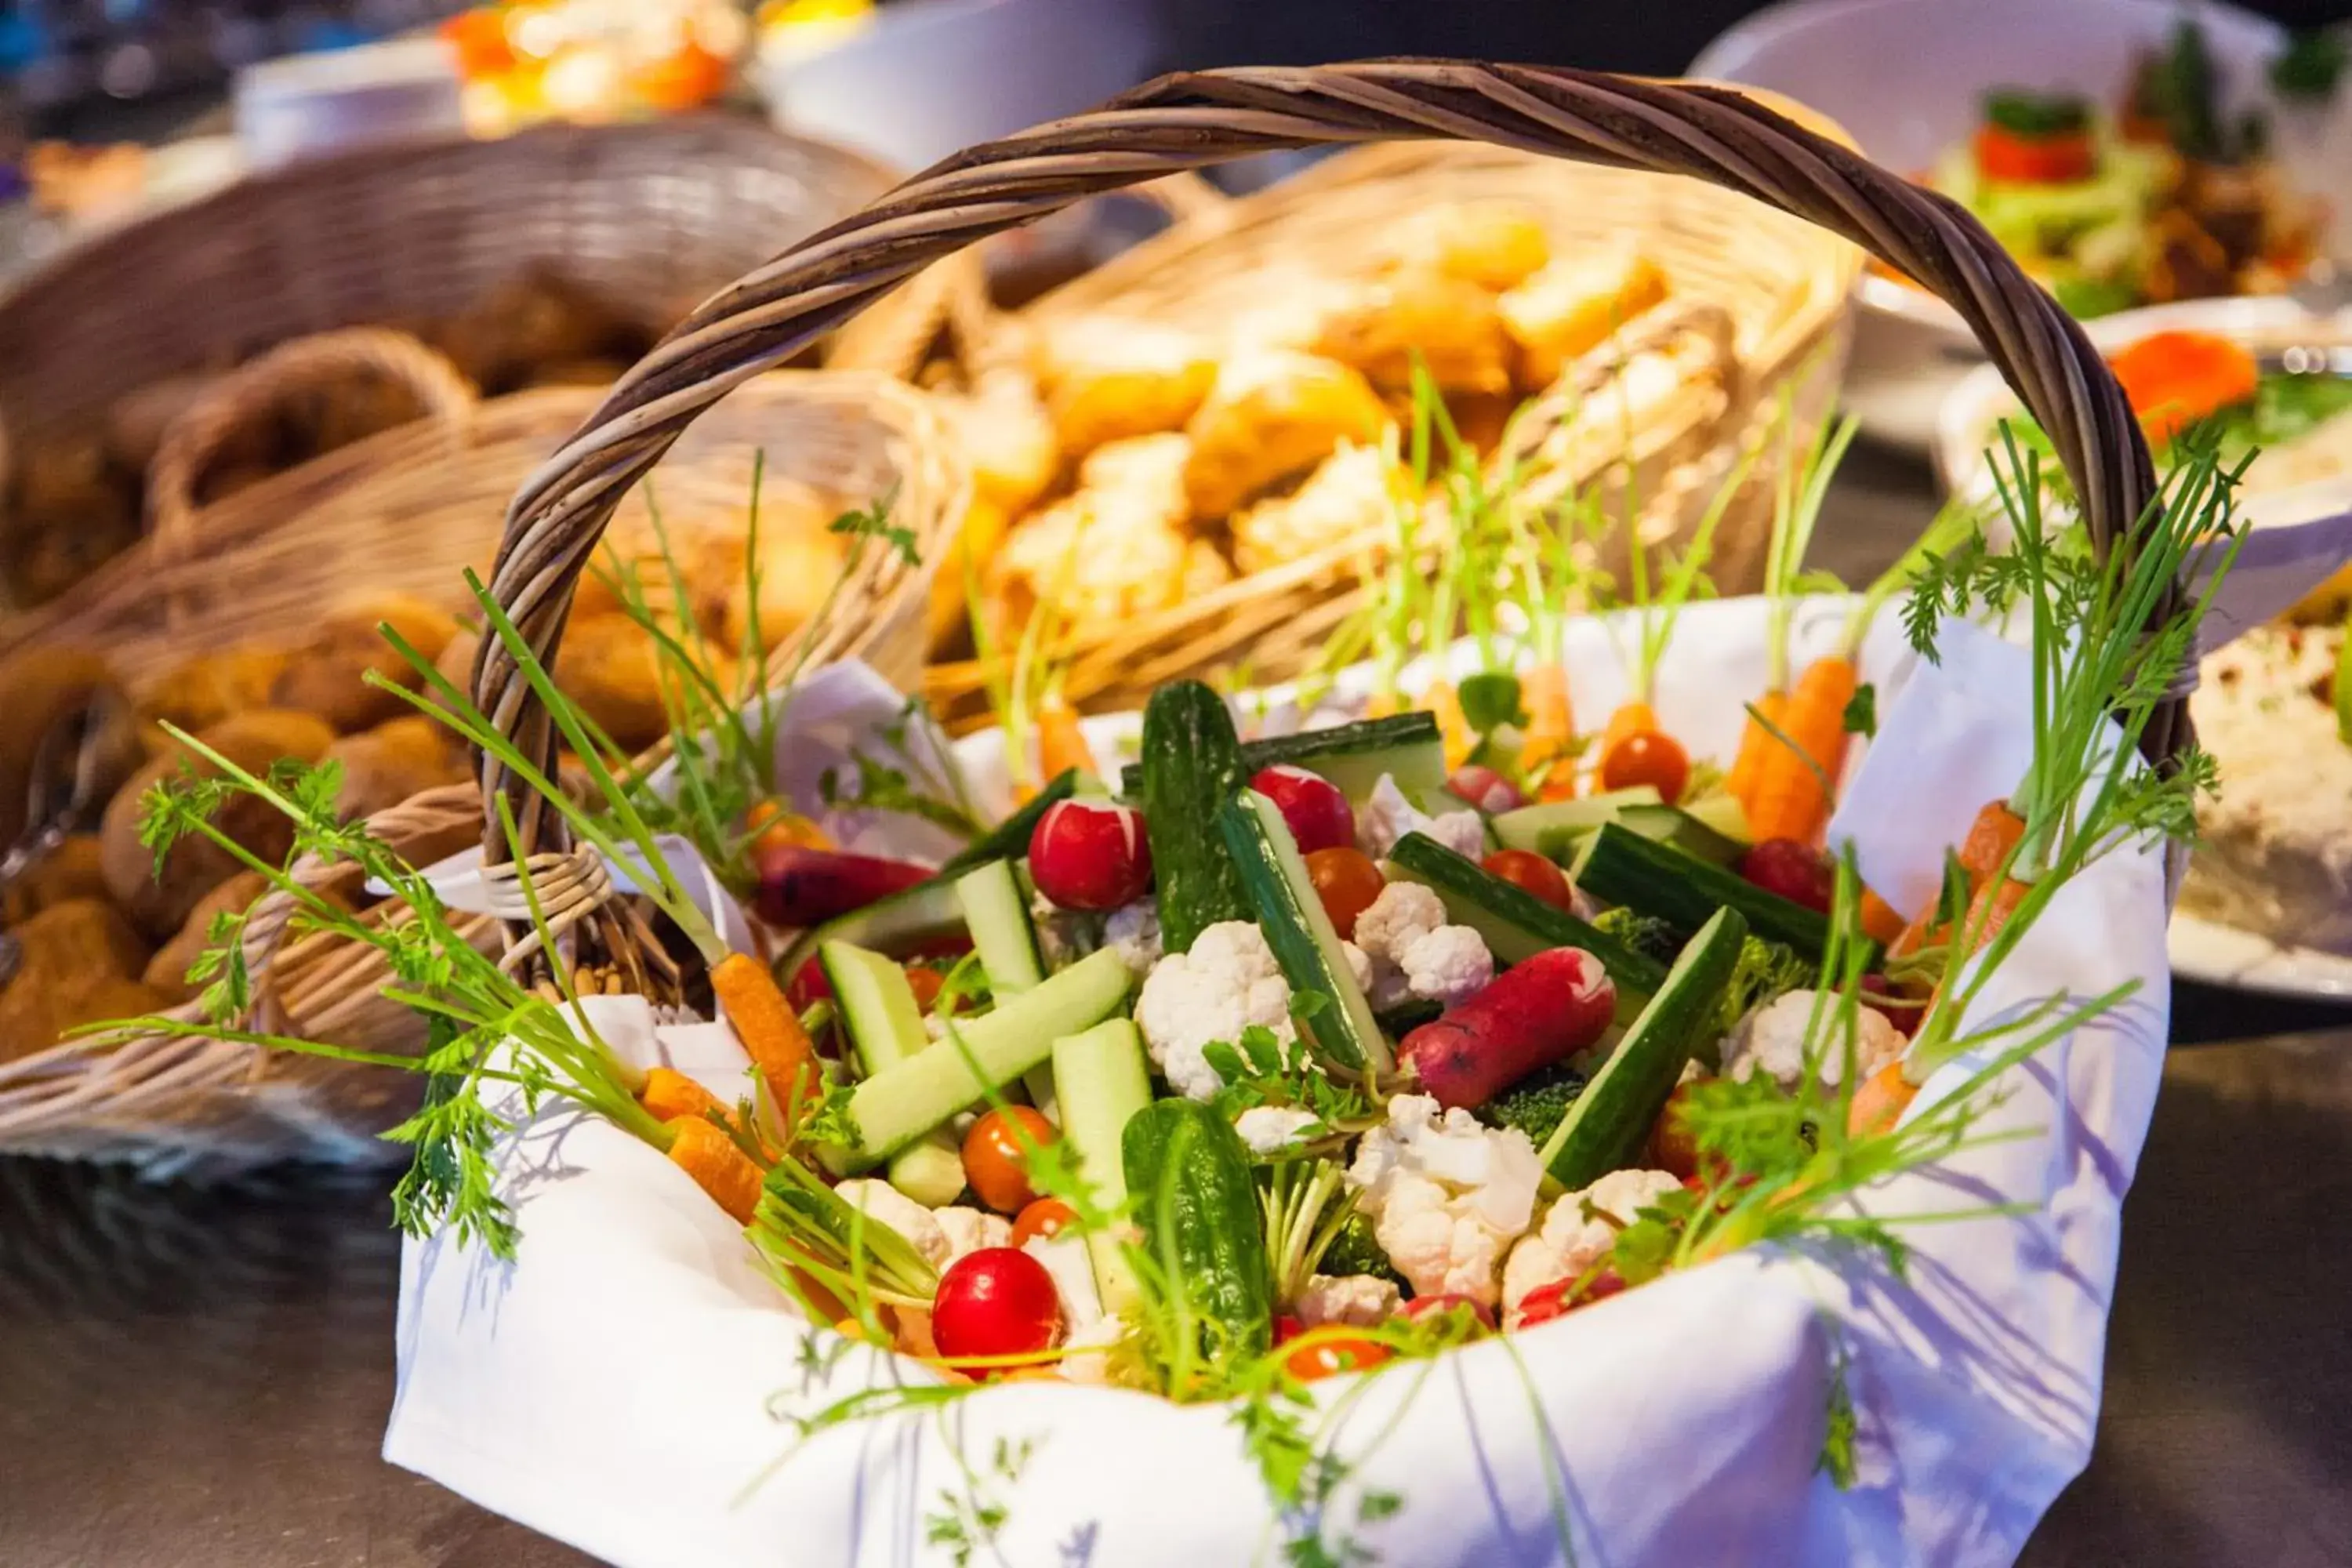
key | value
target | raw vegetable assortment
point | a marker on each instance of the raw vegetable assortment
(1281, 1056)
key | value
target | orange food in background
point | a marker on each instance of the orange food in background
(2175, 379)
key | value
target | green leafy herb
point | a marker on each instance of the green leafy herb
(1861, 717)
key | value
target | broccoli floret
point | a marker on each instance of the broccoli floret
(1355, 1250)
(1766, 970)
(1537, 1104)
(1645, 934)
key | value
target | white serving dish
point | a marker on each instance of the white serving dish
(307, 105)
(1905, 78)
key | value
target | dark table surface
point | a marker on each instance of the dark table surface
(200, 1379)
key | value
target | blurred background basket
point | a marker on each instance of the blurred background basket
(474, 244)
(1767, 293)
(396, 519)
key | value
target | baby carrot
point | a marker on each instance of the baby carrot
(771, 1031)
(1881, 922)
(1754, 741)
(1788, 792)
(1991, 836)
(1634, 718)
(1551, 727)
(1441, 699)
(705, 1152)
(669, 1094)
(1061, 743)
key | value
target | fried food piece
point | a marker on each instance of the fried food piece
(1495, 244)
(1355, 491)
(328, 674)
(1270, 416)
(72, 870)
(159, 902)
(1423, 316)
(1108, 378)
(1009, 437)
(1574, 304)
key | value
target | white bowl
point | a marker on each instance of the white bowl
(1906, 78)
(1964, 424)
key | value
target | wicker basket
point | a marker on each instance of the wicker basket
(407, 511)
(646, 218)
(1771, 288)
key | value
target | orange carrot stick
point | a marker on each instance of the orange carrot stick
(1881, 922)
(1442, 700)
(1061, 744)
(1991, 836)
(771, 1031)
(1550, 731)
(1754, 741)
(1630, 718)
(1787, 796)
(669, 1094)
(1881, 1099)
(717, 1166)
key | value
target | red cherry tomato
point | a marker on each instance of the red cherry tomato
(1798, 872)
(1287, 1328)
(1526, 870)
(2057, 159)
(996, 1301)
(1318, 815)
(1347, 881)
(996, 1160)
(1649, 757)
(1426, 1306)
(925, 981)
(1090, 855)
(1331, 1350)
(1672, 1146)
(1562, 1297)
(1046, 1216)
(1905, 1015)
(1484, 788)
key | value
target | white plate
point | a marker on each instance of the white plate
(2224, 955)
(1906, 77)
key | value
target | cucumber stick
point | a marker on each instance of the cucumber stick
(996, 911)
(1604, 1129)
(1191, 767)
(1303, 941)
(1516, 924)
(899, 1104)
(1101, 1080)
(1620, 867)
(1199, 1211)
(1407, 747)
(1536, 826)
(885, 1023)
(921, 913)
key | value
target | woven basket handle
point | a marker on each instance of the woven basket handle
(1193, 120)
(253, 389)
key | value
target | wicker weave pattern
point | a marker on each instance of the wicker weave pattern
(1189, 120)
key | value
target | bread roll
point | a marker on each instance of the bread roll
(1270, 416)
(326, 674)
(387, 765)
(1422, 318)
(1572, 305)
(74, 869)
(210, 687)
(1107, 378)
(1494, 245)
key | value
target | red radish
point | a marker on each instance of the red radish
(996, 1301)
(799, 886)
(1533, 1015)
(1318, 815)
(1425, 1306)
(1562, 1297)
(1905, 1015)
(1287, 1328)
(1673, 1147)
(1798, 872)
(1090, 855)
(1484, 788)
(1530, 872)
(809, 986)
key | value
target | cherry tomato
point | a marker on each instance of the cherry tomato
(1331, 1350)
(1046, 1216)
(925, 981)
(1484, 788)
(996, 1301)
(1798, 872)
(1649, 757)
(1287, 1328)
(771, 824)
(1319, 814)
(996, 1161)
(1090, 855)
(1673, 1147)
(1347, 881)
(2058, 160)
(1562, 1297)
(1903, 1014)
(1526, 870)
(1426, 1306)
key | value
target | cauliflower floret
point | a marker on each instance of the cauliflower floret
(1270, 1128)
(1388, 816)
(1446, 1195)
(1087, 1357)
(1360, 965)
(1771, 1039)
(1450, 965)
(885, 1204)
(1227, 983)
(969, 1229)
(1415, 953)
(1575, 1235)
(1085, 1327)
(1133, 932)
(1358, 1301)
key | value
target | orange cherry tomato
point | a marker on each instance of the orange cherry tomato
(1530, 872)
(995, 1158)
(1649, 757)
(1347, 881)
(925, 981)
(1330, 1351)
(774, 826)
(1046, 1216)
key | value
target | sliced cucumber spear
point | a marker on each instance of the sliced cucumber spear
(899, 1104)
(885, 1023)
(996, 911)
(1303, 941)
(1101, 1080)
